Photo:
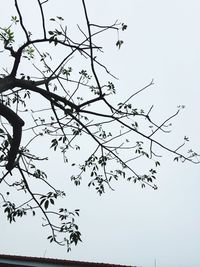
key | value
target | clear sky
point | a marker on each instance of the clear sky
(131, 225)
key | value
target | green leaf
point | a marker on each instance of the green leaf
(14, 19)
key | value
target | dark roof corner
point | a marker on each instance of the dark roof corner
(26, 261)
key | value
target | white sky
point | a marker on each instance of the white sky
(131, 225)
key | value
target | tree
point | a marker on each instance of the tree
(77, 108)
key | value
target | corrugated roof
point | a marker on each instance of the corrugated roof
(58, 261)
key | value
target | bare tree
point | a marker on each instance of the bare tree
(69, 107)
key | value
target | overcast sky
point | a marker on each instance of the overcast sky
(131, 225)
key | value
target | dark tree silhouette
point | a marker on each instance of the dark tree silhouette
(69, 106)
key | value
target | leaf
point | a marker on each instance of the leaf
(176, 159)
(77, 212)
(186, 138)
(55, 41)
(60, 18)
(124, 27)
(42, 201)
(46, 204)
(157, 163)
(14, 19)
(52, 201)
(119, 43)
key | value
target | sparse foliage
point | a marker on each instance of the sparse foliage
(69, 105)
